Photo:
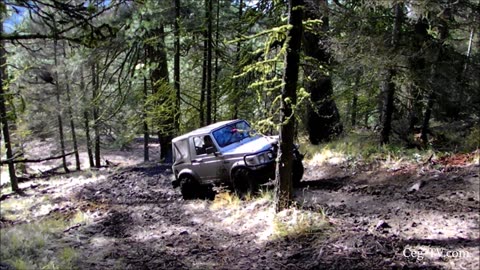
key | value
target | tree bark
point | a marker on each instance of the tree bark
(388, 87)
(59, 115)
(443, 34)
(354, 106)
(146, 134)
(236, 95)
(217, 69)
(3, 114)
(204, 75)
(86, 118)
(209, 62)
(70, 114)
(159, 78)
(388, 93)
(176, 65)
(323, 117)
(283, 174)
(96, 124)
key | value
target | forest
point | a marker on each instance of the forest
(382, 97)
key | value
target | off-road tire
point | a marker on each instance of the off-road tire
(189, 187)
(297, 172)
(243, 182)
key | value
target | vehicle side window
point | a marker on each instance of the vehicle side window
(201, 143)
(181, 150)
(198, 143)
(208, 143)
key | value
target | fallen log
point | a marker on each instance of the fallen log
(4, 162)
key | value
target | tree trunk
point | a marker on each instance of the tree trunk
(443, 34)
(354, 108)
(159, 79)
(59, 115)
(209, 62)
(146, 134)
(217, 69)
(86, 118)
(323, 117)
(236, 95)
(96, 124)
(283, 174)
(204, 78)
(388, 87)
(70, 114)
(3, 114)
(388, 93)
(176, 66)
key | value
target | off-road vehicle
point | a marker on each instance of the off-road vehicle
(227, 153)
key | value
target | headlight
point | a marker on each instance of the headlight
(258, 159)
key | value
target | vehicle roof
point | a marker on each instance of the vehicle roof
(203, 130)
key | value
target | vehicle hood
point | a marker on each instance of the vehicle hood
(251, 145)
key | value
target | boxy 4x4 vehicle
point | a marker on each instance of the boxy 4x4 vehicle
(226, 153)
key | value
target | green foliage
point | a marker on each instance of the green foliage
(472, 141)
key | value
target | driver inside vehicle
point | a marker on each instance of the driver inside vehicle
(208, 143)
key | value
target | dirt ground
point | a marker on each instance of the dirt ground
(401, 217)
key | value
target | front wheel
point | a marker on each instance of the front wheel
(188, 187)
(243, 181)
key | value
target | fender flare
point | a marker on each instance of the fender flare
(235, 166)
(190, 173)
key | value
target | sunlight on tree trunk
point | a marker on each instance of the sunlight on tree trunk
(59, 116)
(3, 113)
(284, 188)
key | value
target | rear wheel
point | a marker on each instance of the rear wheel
(189, 187)
(243, 182)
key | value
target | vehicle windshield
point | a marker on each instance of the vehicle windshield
(232, 133)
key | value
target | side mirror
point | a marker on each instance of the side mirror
(210, 150)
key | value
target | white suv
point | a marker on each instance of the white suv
(226, 153)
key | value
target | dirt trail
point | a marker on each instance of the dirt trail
(376, 223)
(375, 220)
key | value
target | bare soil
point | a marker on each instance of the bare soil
(423, 216)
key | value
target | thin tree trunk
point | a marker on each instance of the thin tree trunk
(388, 87)
(354, 108)
(146, 134)
(217, 70)
(3, 114)
(236, 95)
(209, 62)
(59, 116)
(86, 118)
(283, 174)
(70, 114)
(176, 66)
(204, 73)
(388, 93)
(96, 126)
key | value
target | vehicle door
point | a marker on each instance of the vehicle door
(205, 163)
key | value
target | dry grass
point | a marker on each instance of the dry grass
(37, 245)
(298, 222)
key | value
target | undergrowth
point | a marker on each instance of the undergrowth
(357, 148)
(35, 239)
(37, 245)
